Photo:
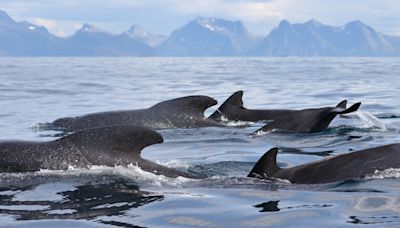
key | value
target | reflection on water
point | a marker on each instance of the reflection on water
(90, 201)
(272, 206)
(388, 220)
(268, 206)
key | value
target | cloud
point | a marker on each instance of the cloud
(51, 25)
(258, 15)
(396, 31)
(338, 12)
(239, 9)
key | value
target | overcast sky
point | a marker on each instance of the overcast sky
(64, 17)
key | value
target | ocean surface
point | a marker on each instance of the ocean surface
(39, 90)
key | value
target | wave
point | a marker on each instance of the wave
(388, 116)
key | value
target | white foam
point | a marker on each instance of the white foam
(388, 173)
(261, 132)
(61, 212)
(285, 181)
(234, 123)
(175, 164)
(110, 205)
(238, 123)
(131, 171)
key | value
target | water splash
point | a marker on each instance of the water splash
(367, 120)
(235, 123)
(232, 123)
(388, 173)
(175, 164)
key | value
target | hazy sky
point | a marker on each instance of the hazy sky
(63, 17)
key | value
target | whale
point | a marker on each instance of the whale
(183, 112)
(233, 109)
(349, 166)
(106, 146)
(308, 120)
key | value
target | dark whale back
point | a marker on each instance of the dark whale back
(193, 105)
(348, 166)
(233, 109)
(125, 138)
(119, 145)
(184, 112)
(309, 120)
(109, 146)
(115, 145)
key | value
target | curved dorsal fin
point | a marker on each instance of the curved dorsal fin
(342, 104)
(191, 104)
(266, 166)
(126, 138)
(353, 108)
(235, 100)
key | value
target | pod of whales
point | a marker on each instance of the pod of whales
(109, 146)
(348, 166)
(117, 138)
(184, 112)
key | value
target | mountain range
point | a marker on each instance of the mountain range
(199, 37)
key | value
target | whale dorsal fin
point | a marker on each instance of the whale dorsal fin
(342, 104)
(190, 104)
(340, 110)
(266, 166)
(125, 138)
(235, 100)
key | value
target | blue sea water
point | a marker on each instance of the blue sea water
(39, 90)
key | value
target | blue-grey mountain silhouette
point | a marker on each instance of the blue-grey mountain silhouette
(23, 38)
(92, 41)
(200, 37)
(315, 39)
(138, 33)
(26, 39)
(209, 37)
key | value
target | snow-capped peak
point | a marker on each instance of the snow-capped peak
(90, 28)
(136, 30)
(211, 24)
